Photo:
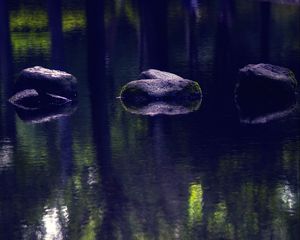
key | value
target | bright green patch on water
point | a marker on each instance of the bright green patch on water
(195, 203)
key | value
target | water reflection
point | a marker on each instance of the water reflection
(155, 108)
(6, 155)
(103, 173)
(195, 209)
(51, 223)
(288, 197)
(50, 113)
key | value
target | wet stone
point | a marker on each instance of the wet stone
(141, 91)
(49, 81)
(33, 108)
(265, 92)
(266, 79)
(31, 99)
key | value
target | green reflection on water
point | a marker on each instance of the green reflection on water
(26, 43)
(25, 20)
(73, 20)
(89, 232)
(35, 148)
(195, 203)
(118, 9)
(30, 31)
(218, 225)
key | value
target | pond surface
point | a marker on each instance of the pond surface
(104, 173)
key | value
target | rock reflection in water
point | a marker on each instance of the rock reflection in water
(264, 111)
(6, 154)
(46, 114)
(163, 108)
(32, 108)
(267, 117)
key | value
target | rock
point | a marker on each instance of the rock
(266, 78)
(265, 92)
(163, 108)
(157, 74)
(44, 95)
(30, 99)
(45, 81)
(145, 91)
(265, 82)
(33, 108)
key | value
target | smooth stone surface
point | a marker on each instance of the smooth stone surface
(268, 74)
(157, 74)
(163, 108)
(264, 82)
(45, 81)
(142, 91)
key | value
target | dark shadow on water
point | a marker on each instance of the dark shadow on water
(47, 114)
(191, 30)
(8, 219)
(58, 63)
(265, 15)
(114, 199)
(264, 108)
(6, 71)
(153, 34)
(55, 27)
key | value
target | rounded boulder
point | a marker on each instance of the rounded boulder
(265, 81)
(47, 81)
(175, 90)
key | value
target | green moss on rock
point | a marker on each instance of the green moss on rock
(176, 90)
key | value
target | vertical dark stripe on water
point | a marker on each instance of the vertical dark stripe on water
(265, 16)
(8, 216)
(154, 34)
(114, 198)
(56, 32)
(192, 40)
(58, 62)
(224, 59)
(6, 73)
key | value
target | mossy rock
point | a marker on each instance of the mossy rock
(163, 108)
(176, 90)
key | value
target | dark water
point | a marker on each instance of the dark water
(104, 173)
